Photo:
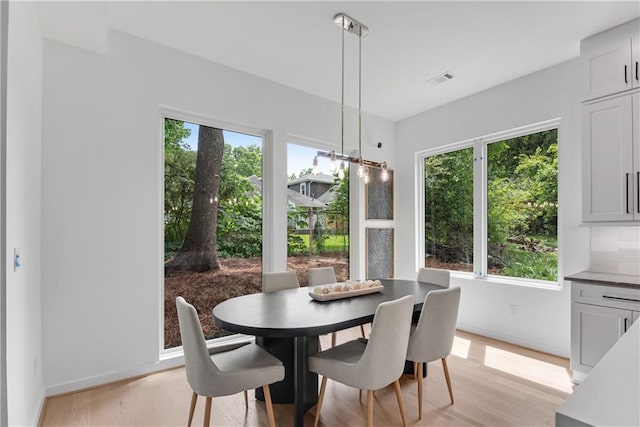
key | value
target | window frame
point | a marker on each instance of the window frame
(480, 203)
(266, 136)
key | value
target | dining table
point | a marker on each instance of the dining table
(288, 324)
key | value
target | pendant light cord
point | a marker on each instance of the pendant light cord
(360, 92)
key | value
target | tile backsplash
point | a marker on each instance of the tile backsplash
(615, 250)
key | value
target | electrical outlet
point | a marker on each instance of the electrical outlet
(514, 309)
(17, 259)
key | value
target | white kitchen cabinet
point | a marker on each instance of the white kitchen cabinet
(635, 61)
(600, 315)
(611, 166)
(597, 330)
(611, 68)
(612, 60)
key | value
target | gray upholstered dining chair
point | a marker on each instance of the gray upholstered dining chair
(432, 338)
(226, 372)
(324, 276)
(372, 364)
(435, 276)
(280, 280)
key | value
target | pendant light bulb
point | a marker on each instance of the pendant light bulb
(361, 169)
(365, 176)
(384, 175)
(341, 171)
(315, 170)
(332, 163)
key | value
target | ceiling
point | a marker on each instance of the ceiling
(483, 44)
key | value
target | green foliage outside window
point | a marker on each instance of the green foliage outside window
(522, 215)
(449, 209)
(239, 226)
(179, 179)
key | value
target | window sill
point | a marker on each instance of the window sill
(178, 352)
(514, 281)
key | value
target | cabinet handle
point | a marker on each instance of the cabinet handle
(638, 188)
(626, 183)
(626, 80)
(620, 298)
(637, 74)
(625, 324)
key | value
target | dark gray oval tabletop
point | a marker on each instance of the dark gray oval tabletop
(293, 313)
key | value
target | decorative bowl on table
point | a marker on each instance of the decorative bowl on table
(348, 289)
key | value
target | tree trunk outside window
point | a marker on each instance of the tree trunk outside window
(199, 252)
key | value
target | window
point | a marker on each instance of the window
(212, 220)
(449, 210)
(522, 206)
(491, 205)
(318, 214)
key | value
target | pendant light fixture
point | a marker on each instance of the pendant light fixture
(348, 24)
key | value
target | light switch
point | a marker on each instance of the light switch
(17, 259)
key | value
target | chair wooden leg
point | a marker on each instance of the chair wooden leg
(415, 370)
(446, 375)
(323, 386)
(396, 384)
(246, 401)
(194, 399)
(360, 396)
(369, 408)
(334, 338)
(269, 405)
(419, 377)
(362, 331)
(207, 413)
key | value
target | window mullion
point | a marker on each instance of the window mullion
(480, 209)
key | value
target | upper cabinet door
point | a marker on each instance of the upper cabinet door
(635, 61)
(608, 193)
(609, 69)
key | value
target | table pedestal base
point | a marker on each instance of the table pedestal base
(300, 386)
(408, 368)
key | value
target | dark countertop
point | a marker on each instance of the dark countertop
(606, 279)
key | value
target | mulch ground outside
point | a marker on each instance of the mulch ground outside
(236, 277)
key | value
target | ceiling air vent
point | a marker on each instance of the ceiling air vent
(440, 78)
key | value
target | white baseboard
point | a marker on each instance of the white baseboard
(543, 347)
(170, 360)
(98, 380)
(579, 377)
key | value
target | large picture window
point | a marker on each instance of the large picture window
(491, 205)
(212, 220)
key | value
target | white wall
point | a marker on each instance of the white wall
(102, 190)
(23, 215)
(543, 319)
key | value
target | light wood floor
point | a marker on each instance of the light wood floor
(494, 384)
